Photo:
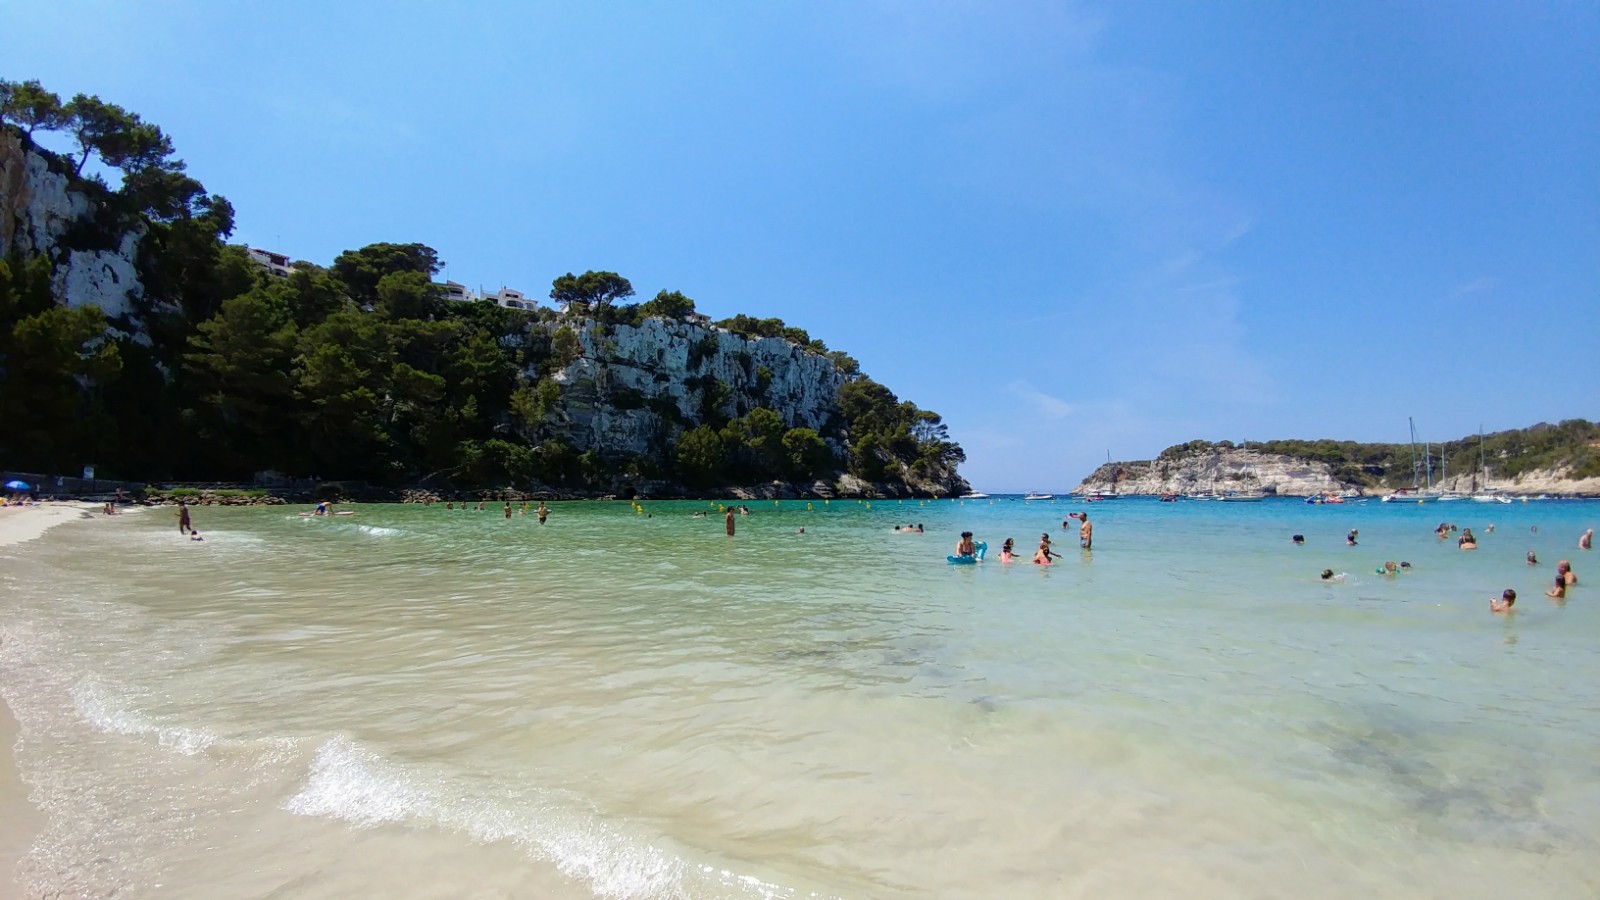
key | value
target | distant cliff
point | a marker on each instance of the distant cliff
(1199, 471)
(1541, 459)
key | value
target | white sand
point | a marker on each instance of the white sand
(19, 821)
(24, 523)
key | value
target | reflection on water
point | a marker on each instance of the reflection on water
(625, 705)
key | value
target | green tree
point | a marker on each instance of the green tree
(406, 295)
(54, 365)
(28, 105)
(701, 456)
(805, 453)
(94, 124)
(591, 290)
(362, 269)
(669, 305)
(239, 368)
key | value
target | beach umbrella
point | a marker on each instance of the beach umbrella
(17, 485)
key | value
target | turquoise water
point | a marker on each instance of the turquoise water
(626, 702)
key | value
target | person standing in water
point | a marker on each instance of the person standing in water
(543, 512)
(1503, 603)
(1587, 541)
(1085, 532)
(729, 519)
(965, 546)
(508, 509)
(184, 526)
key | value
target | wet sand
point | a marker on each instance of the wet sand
(20, 822)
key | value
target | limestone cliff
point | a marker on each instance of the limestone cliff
(42, 211)
(1200, 467)
(1215, 469)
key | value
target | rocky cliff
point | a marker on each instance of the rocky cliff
(630, 381)
(1215, 469)
(42, 211)
(1198, 468)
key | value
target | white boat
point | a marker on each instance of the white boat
(1485, 494)
(1417, 493)
(974, 495)
(1035, 495)
(1243, 497)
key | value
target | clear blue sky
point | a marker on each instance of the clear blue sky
(1071, 229)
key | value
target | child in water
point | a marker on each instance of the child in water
(1008, 551)
(1503, 603)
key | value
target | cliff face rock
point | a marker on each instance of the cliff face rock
(1216, 469)
(1219, 469)
(1538, 481)
(632, 385)
(39, 211)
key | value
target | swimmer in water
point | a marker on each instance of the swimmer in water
(1327, 575)
(1558, 591)
(1532, 560)
(1008, 551)
(965, 546)
(1350, 539)
(1564, 569)
(1504, 602)
(1297, 539)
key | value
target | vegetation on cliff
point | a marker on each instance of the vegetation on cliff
(1572, 447)
(361, 370)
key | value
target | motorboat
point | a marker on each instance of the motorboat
(974, 495)
(1035, 495)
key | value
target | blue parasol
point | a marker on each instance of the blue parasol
(17, 485)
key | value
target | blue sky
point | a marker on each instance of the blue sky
(1071, 229)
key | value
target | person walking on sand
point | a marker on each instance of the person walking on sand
(184, 525)
(543, 512)
(1085, 532)
(729, 519)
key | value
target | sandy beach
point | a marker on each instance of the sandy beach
(19, 821)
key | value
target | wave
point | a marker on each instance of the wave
(94, 705)
(356, 785)
(377, 530)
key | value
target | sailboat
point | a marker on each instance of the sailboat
(1416, 493)
(1482, 493)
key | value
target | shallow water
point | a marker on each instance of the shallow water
(429, 703)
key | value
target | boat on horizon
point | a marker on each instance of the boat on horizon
(1035, 495)
(1485, 493)
(1420, 491)
(974, 495)
(1243, 497)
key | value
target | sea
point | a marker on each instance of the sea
(419, 702)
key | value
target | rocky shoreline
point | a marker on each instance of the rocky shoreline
(846, 487)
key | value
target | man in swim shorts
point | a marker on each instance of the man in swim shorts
(1085, 532)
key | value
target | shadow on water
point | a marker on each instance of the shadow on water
(1489, 800)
